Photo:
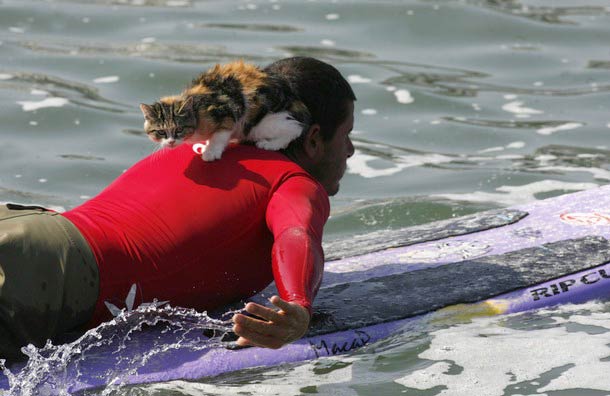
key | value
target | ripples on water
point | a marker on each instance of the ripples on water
(485, 356)
(462, 106)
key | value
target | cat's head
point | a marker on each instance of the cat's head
(170, 120)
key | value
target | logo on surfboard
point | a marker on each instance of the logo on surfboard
(586, 219)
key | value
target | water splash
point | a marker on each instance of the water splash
(108, 356)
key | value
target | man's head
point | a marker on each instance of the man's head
(324, 148)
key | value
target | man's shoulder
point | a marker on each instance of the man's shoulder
(273, 163)
(251, 151)
(246, 152)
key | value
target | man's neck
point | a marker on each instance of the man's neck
(300, 158)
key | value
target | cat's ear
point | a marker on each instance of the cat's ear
(187, 105)
(148, 111)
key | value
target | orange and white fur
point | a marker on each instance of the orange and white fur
(230, 102)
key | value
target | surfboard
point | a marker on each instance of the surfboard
(548, 252)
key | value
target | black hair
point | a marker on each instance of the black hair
(320, 86)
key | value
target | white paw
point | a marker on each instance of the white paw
(211, 155)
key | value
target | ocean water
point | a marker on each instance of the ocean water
(463, 105)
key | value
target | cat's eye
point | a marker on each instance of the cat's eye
(161, 134)
(178, 131)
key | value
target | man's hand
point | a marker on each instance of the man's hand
(278, 327)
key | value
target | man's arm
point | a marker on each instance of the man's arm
(296, 215)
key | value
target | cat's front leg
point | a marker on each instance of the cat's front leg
(216, 145)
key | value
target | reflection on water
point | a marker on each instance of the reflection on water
(326, 53)
(155, 50)
(450, 83)
(466, 84)
(81, 157)
(252, 27)
(23, 196)
(598, 64)
(48, 85)
(547, 14)
(136, 3)
(548, 126)
(561, 158)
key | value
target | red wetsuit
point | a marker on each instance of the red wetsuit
(203, 234)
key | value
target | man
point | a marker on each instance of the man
(323, 152)
(197, 234)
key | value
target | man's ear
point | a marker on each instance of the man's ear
(313, 142)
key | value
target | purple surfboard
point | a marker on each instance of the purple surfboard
(541, 254)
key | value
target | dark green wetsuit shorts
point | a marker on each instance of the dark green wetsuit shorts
(48, 278)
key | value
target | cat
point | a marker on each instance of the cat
(233, 101)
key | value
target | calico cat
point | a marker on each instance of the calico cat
(234, 101)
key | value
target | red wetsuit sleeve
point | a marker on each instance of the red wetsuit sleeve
(296, 215)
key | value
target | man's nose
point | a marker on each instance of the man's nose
(350, 148)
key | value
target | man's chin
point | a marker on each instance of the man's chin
(334, 191)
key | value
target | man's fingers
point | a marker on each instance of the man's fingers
(255, 325)
(251, 337)
(292, 310)
(281, 304)
(258, 340)
(241, 341)
(263, 312)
